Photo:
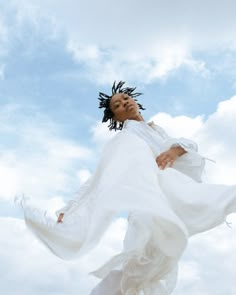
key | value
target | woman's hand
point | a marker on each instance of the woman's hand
(167, 158)
(60, 218)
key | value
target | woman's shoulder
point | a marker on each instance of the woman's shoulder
(158, 128)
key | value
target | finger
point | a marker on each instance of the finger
(161, 158)
(160, 163)
(158, 160)
(60, 218)
(163, 165)
(167, 163)
(162, 155)
(171, 163)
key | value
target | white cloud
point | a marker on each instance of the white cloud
(43, 273)
(179, 125)
(215, 135)
(4, 37)
(35, 159)
(207, 266)
(139, 42)
(154, 22)
(105, 65)
(101, 134)
(89, 52)
(83, 175)
(2, 72)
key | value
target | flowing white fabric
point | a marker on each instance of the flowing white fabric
(165, 208)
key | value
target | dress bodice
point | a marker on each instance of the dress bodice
(148, 132)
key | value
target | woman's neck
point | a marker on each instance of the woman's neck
(138, 118)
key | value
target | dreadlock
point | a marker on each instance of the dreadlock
(105, 103)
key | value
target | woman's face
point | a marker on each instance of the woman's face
(124, 107)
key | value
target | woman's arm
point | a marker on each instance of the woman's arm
(186, 158)
(167, 158)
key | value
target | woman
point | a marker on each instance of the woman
(157, 180)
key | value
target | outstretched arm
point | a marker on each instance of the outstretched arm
(73, 204)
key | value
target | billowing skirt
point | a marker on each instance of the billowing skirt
(165, 207)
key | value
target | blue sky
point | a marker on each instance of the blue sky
(55, 57)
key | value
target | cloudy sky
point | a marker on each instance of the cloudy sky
(55, 56)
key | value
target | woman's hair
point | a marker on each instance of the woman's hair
(105, 103)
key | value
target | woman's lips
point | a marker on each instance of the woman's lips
(129, 107)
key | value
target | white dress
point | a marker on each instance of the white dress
(165, 208)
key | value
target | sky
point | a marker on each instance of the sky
(55, 57)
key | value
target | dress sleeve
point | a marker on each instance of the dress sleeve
(190, 163)
(187, 144)
(73, 204)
